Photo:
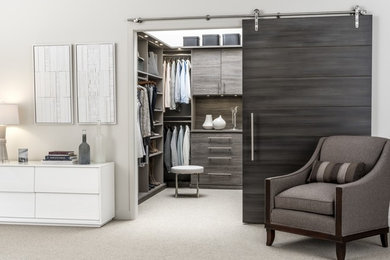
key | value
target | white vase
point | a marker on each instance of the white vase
(219, 123)
(100, 152)
(208, 122)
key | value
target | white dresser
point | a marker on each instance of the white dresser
(63, 195)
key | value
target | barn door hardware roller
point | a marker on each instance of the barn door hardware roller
(257, 14)
(358, 12)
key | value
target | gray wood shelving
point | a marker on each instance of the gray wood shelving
(154, 171)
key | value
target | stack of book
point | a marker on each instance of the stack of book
(60, 157)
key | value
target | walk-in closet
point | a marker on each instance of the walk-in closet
(189, 97)
(260, 99)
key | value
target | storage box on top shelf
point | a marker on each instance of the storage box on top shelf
(210, 39)
(190, 41)
(231, 39)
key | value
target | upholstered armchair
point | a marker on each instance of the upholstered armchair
(331, 211)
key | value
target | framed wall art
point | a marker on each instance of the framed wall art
(96, 84)
(53, 84)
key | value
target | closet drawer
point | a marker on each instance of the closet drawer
(17, 205)
(67, 206)
(220, 178)
(215, 145)
(67, 180)
(17, 179)
(216, 138)
(221, 155)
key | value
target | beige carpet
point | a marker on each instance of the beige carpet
(167, 228)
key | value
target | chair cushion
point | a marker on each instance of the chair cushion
(187, 169)
(336, 172)
(365, 149)
(315, 197)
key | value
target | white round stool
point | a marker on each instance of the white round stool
(187, 169)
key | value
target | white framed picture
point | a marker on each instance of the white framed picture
(96, 83)
(53, 94)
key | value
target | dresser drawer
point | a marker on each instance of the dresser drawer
(220, 178)
(67, 180)
(67, 206)
(216, 138)
(221, 156)
(17, 205)
(17, 179)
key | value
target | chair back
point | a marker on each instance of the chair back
(364, 149)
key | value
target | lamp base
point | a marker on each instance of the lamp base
(3, 151)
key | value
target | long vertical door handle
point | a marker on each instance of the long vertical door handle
(252, 140)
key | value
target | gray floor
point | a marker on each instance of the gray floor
(209, 227)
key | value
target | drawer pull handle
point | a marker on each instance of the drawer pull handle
(227, 138)
(220, 148)
(219, 174)
(220, 158)
(252, 139)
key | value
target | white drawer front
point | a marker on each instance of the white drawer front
(17, 205)
(67, 206)
(67, 180)
(17, 179)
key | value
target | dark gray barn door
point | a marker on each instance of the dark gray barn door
(303, 78)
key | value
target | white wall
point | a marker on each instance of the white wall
(23, 23)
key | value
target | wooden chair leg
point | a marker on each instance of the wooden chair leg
(270, 237)
(340, 251)
(384, 240)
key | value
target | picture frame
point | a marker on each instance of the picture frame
(96, 83)
(53, 87)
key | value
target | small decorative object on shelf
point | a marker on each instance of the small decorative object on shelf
(84, 150)
(100, 152)
(208, 122)
(219, 123)
(22, 155)
(234, 117)
(60, 158)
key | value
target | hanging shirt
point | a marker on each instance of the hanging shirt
(167, 86)
(185, 93)
(182, 91)
(167, 150)
(174, 157)
(180, 139)
(172, 84)
(178, 81)
(145, 112)
(186, 146)
(140, 147)
(164, 83)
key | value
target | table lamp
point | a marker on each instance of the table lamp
(9, 115)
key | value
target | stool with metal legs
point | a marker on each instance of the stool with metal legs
(187, 169)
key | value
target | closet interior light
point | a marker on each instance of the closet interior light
(146, 36)
(156, 41)
(161, 44)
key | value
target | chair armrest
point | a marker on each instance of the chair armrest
(363, 205)
(275, 185)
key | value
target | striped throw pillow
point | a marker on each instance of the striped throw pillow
(336, 172)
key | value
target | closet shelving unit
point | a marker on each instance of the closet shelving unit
(181, 116)
(154, 167)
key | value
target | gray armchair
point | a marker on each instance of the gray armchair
(336, 212)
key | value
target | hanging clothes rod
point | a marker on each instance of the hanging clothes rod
(257, 14)
(177, 55)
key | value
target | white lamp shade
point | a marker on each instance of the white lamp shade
(9, 114)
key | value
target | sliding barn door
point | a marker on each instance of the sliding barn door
(303, 78)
